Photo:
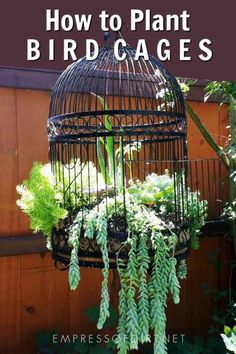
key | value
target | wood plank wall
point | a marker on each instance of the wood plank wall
(33, 294)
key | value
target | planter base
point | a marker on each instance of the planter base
(90, 254)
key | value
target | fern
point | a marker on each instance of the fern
(41, 199)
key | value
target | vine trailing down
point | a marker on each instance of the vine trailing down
(150, 271)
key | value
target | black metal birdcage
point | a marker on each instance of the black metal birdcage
(110, 122)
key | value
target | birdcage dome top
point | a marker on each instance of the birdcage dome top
(134, 92)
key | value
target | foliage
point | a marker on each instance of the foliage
(185, 85)
(75, 179)
(92, 313)
(46, 202)
(225, 90)
(196, 210)
(74, 238)
(182, 269)
(149, 204)
(113, 173)
(142, 301)
(40, 199)
(156, 190)
(161, 191)
(46, 344)
(221, 316)
(108, 142)
(229, 338)
(198, 346)
(224, 312)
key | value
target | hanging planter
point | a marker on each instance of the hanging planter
(116, 194)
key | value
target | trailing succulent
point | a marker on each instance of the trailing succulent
(142, 297)
(151, 272)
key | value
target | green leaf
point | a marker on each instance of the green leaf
(205, 287)
(93, 314)
(82, 348)
(102, 165)
(112, 319)
(109, 140)
(100, 349)
(41, 199)
(227, 331)
(74, 271)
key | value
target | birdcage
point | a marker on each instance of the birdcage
(115, 126)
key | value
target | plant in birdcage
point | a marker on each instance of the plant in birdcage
(117, 194)
(149, 203)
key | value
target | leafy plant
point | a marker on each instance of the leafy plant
(114, 172)
(198, 346)
(41, 199)
(150, 245)
(46, 200)
(229, 338)
(226, 92)
(161, 191)
(47, 341)
(224, 312)
(151, 272)
(142, 301)
(156, 190)
(108, 142)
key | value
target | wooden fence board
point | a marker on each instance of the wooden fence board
(200, 304)
(45, 304)
(32, 112)
(87, 295)
(9, 212)
(10, 305)
(34, 261)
